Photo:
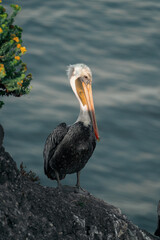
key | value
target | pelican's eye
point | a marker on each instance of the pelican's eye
(86, 79)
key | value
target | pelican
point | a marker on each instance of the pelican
(68, 148)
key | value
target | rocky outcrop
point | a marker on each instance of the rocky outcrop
(157, 232)
(30, 211)
(1, 135)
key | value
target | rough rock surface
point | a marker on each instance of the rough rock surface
(157, 232)
(30, 211)
(1, 135)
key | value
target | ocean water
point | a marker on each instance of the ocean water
(120, 42)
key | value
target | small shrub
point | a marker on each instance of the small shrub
(13, 78)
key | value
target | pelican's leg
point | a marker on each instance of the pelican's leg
(58, 181)
(78, 182)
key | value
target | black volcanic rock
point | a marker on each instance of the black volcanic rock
(30, 211)
(157, 232)
(1, 135)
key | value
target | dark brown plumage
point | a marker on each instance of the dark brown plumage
(68, 149)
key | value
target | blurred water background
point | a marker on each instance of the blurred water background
(120, 42)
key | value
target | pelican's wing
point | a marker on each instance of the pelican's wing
(51, 144)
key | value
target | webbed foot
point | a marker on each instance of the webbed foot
(79, 189)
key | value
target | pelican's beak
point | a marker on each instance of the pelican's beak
(90, 104)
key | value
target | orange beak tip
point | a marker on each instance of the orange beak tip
(98, 139)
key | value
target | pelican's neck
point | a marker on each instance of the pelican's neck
(84, 116)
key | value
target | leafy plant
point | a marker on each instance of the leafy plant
(13, 78)
(31, 175)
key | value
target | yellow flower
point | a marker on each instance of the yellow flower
(1, 30)
(2, 70)
(1, 67)
(16, 39)
(23, 50)
(17, 57)
(20, 84)
(18, 45)
(0, 1)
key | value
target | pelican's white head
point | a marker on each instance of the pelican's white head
(79, 70)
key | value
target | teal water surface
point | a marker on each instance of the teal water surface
(120, 42)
